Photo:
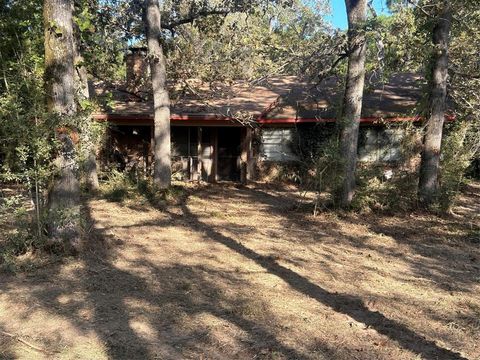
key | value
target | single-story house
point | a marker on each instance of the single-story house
(221, 131)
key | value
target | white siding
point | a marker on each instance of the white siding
(379, 144)
(277, 144)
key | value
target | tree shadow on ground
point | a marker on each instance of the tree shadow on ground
(346, 304)
(285, 207)
(151, 314)
(148, 315)
(6, 352)
(453, 265)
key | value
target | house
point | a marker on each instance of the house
(223, 131)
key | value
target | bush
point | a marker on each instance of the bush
(122, 186)
(117, 186)
(458, 151)
(19, 230)
(318, 149)
(377, 191)
(270, 171)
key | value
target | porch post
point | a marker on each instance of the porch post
(150, 150)
(245, 155)
(250, 155)
(199, 153)
(215, 155)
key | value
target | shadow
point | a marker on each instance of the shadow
(6, 353)
(346, 304)
(144, 310)
(445, 256)
(448, 264)
(141, 308)
(284, 206)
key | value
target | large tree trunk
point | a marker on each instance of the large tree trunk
(59, 56)
(430, 163)
(63, 202)
(349, 121)
(161, 100)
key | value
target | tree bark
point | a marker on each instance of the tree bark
(91, 169)
(349, 121)
(63, 200)
(59, 56)
(161, 100)
(430, 163)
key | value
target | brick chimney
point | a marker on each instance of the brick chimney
(137, 69)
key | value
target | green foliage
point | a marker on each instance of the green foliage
(456, 158)
(26, 132)
(91, 136)
(377, 193)
(102, 36)
(407, 39)
(124, 187)
(317, 148)
(403, 46)
(19, 233)
(28, 141)
(253, 41)
(247, 45)
(117, 186)
(397, 191)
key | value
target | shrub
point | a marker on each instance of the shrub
(123, 186)
(376, 191)
(20, 233)
(458, 150)
(117, 186)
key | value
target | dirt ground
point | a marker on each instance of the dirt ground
(248, 273)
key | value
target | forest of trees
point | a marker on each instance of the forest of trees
(49, 50)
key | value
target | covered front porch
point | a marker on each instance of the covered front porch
(199, 152)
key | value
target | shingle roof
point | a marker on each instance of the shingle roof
(218, 99)
(280, 98)
(395, 98)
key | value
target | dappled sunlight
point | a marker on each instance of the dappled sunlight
(244, 273)
(47, 323)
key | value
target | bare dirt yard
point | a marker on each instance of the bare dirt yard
(249, 273)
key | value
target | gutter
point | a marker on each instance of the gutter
(368, 120)
(364, 120)
(219, 119)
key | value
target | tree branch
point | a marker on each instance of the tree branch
(192, 17)
(112, 85)
(19, 339)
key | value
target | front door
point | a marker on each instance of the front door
(229, 151)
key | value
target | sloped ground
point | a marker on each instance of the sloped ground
(244, 273)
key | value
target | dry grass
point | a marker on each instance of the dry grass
(242, 273)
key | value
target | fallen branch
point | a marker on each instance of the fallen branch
(19, 339)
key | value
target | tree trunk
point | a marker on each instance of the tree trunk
(59, 56)
(349, 121)
(63, 200)
(430, 163)
(91, 169)
(161, 100)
